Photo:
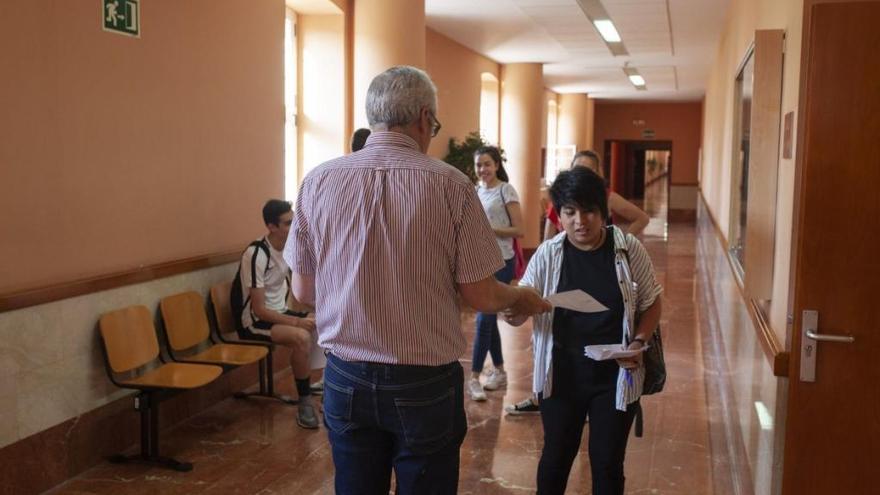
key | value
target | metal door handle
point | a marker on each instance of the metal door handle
(846, 339)
(810, 338)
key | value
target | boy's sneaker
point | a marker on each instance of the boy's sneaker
(497, 379)
(305, 415)
(522, 408)
(317, 388)
(476, 390)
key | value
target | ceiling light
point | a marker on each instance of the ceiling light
(607, 30)
(637, 80)
(634, 77)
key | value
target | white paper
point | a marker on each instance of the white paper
(577, 300)
(604, 352)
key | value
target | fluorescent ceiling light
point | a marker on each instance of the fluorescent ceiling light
(637, 80)
(607, 30)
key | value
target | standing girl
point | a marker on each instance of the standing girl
(501, 204)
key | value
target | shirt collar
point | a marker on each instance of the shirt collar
(391, 138)
(619, 239)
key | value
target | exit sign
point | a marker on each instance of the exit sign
(122, 17)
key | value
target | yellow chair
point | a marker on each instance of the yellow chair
(189, 335)
(132, 358)
(227, 332)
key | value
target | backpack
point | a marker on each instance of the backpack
(236, 304)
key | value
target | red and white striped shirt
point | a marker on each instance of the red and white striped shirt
(388, 232)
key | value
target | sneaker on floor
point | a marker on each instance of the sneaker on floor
(522, 408)
(476, 390)
(497, 379)
(317, 388)
(306, 417)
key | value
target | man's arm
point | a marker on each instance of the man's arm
(258, 306)
(303, 288)
(491, 296)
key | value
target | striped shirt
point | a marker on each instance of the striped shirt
(639, 287)
(388, 232)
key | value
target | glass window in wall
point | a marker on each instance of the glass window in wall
(291, 165)
(744, 91)
(489, 108)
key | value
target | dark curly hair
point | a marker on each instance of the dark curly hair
(582, 188)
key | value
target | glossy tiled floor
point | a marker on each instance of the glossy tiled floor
(244, 447)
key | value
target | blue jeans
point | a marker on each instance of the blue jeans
(381, 416)
(487, 339)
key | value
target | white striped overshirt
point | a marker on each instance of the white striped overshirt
(639, 287)
(388, 232)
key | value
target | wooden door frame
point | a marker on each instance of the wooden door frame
(640, 144)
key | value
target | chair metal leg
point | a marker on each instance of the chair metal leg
(267, 384)
(148, 406)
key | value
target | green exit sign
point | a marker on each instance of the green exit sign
(122, 16)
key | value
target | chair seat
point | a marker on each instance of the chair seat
(176, 375)
(232, 354)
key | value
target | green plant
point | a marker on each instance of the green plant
(461, 155)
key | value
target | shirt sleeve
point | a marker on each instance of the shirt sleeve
(642, 270)
(253, 268)
(510, 194)
(299, 250)
(536, 270)
(477, 255)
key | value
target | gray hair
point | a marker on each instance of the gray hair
(398, 95)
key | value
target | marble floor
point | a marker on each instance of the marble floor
(254, 447)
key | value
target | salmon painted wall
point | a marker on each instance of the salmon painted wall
(456, 72)
(121, 152)
(677, 122)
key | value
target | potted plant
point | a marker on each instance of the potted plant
(461, 155)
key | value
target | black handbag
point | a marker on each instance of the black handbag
(655, 365)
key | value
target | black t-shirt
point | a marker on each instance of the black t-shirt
(592, 272)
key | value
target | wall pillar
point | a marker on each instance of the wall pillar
(573, 120)
(522, 89)
(386, 33)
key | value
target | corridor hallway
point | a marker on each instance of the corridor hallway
(690, 445)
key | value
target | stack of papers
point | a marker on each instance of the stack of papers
(604, 352)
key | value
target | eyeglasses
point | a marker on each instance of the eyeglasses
(435, 124)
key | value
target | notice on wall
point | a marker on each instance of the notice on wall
(122, 17)
(648, 134)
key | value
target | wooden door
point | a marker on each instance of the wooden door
(832, 432)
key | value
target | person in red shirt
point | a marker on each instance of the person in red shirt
(620, 210)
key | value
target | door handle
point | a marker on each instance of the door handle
(809, 343)
(846, 339)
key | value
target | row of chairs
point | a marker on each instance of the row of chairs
(196, 354)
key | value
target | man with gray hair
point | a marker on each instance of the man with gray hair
(383, 243)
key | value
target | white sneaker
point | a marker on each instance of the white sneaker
(476, 390)
(497, 379)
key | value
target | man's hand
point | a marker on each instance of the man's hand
(529, 302)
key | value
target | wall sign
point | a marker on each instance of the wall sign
(648, 134)
(122, 17)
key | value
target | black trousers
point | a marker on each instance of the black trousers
(582, 386)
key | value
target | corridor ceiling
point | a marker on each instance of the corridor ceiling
(672, 43)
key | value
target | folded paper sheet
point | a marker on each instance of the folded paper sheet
(577, 300)
(604, 352)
